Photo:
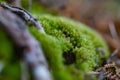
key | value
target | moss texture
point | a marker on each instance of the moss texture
(69, 46)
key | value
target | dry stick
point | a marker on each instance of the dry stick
(115, 52)
(113, 30)
(32, 52)
(114, 35)
(113, 55)
(25, 15)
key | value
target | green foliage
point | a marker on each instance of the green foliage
(53, 52)
(6, 47)
(2, 0)
(11, 70)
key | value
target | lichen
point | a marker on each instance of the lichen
(69, 46)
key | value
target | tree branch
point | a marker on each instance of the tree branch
(25, 15)
(32, 52)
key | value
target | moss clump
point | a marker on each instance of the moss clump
(6, 48)
(70, 47)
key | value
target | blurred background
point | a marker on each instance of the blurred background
(101, 15)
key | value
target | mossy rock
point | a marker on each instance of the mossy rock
(69, 47)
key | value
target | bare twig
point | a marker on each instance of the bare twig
(113, 30)
(115, 52)
(113, 56)
(14, 2)
(32, 52)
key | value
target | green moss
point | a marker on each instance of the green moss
(53, 51)
(11, 72)
(11, 67)
(69, 47)
(6, 47)
(2, 0)
(67, 37)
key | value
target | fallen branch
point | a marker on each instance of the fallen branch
(25, 15)
(31, 49)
